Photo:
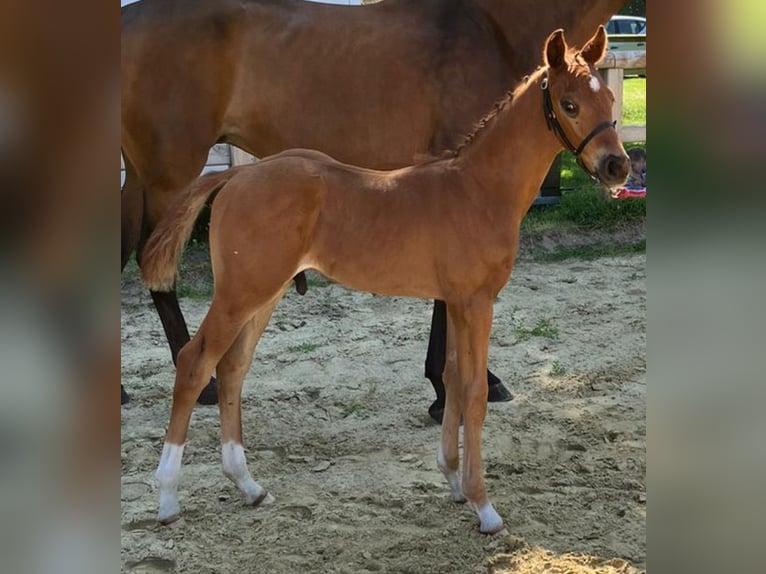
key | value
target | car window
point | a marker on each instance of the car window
(626, 26)
(635, 26)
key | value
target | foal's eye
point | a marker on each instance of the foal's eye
(569, 107)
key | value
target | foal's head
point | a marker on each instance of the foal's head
(579, 107)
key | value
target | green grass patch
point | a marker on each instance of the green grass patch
(588, 252)
(315, 279)
(194, 292)
(303, 348)
(543, 328)
(557, 370)
(585, 209)
(131, 271)
(361, 407)
(634, 102)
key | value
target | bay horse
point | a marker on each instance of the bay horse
(373, 86)
(446, 228)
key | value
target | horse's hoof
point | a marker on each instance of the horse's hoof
(168, 520)
(209, 395)
(301, 286)
(124, 397)
(457, 498)
(263, 499)
(436, 411)
(497, 393)
(495, 530)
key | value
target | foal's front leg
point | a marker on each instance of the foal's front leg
(448, 453)
(473, 322)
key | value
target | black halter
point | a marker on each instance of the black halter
(555, 126)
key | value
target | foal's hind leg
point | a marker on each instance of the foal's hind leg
(195, 365)
(231, 372)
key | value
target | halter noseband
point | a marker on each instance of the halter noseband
(555, 126)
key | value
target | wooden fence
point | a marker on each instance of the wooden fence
(613, 68)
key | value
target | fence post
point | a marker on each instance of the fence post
(614, 78)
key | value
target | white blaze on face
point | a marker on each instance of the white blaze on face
(594, 84)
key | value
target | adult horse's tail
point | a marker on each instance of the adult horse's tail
(159, 258)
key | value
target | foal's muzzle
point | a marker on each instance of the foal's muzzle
(612, 170)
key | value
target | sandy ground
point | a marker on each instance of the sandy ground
(336, 429)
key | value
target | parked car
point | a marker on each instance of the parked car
(627, 33)
(626, 25)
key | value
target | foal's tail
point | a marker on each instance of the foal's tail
(159, 258)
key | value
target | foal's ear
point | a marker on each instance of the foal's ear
(594, 50)
(555, 49)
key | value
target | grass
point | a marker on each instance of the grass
(585, 208)
(303, 348)
(543, 328)
(634, 102)
(557, 370)
(588, 252)
(362, 406)
(185, 291)
(315, 279)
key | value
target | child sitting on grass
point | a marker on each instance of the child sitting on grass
(637, 178)
(636, 184)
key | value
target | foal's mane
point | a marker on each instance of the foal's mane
(479, 126)
(490, 116)
(575, 59)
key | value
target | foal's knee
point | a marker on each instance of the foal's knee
(188, 365)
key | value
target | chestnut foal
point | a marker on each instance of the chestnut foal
(443, 229)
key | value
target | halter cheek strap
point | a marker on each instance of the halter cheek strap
(554, 125)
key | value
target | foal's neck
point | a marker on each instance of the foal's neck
(509, 158)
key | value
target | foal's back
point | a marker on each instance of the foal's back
(357, 226)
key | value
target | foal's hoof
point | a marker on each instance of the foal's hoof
(209, 395)
(124, 397)
(170, 512)
(167, 521)
(489, 520)
(497, 393)
(262, 499)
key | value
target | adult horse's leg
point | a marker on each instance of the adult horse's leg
(131, 211)
(231, 372)
(435, 364)
(196, 361)
(473, 322)
(156, 201)
(177, 333)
